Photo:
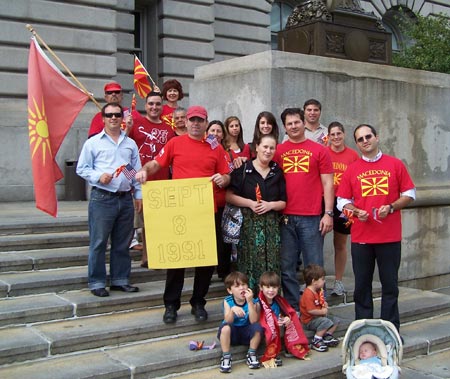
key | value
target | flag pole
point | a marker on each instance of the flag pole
(153, 82)
(83, 88)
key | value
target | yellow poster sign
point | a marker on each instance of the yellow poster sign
(179, 223)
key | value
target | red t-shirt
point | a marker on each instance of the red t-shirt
(310, 300)
(246, 153)
(150, 138)
(167, 115)
(371, 185)
(97, 124)
(340, 161)
(190, 158)
(303, 163)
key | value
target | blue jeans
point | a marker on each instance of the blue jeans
(109, 215)
(300, 235)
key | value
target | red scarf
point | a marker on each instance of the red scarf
(294, 338)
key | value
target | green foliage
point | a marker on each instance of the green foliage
(428, 44)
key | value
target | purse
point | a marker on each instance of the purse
(232, 219)
(231, 223)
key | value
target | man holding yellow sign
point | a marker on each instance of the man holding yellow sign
(191, 156)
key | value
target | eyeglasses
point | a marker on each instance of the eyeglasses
(367, 137)
(113, 92)
(156, 104)
(116, 115)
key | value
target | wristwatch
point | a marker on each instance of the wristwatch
(391, 208)
(330, 213)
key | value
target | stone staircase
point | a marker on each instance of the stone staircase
(52, 327)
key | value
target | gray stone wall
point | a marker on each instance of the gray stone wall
(409, 108)
(92, 38)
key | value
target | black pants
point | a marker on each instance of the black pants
(223, 249)
(175, 282)
(387, 256)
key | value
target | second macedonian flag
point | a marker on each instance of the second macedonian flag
(53, 105)
(141, 83)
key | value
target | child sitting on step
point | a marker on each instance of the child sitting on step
(279, 319)
(240, 324)
(314, 310)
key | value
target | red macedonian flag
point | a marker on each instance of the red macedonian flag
(53, 105)
(141, 83)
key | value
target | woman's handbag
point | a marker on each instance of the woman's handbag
(231, 223)
(232, 219)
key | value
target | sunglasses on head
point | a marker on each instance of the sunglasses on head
(367, 137)
(112, 92)
(116, 115)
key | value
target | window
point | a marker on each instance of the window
(281, 10)
(391, 21)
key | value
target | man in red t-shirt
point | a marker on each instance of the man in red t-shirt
(375, 188)
(190, 157)
(308, 172)
(113, 94)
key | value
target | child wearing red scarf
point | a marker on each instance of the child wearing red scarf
(276, 315)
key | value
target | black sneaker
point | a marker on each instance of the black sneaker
(278, 361)
(170, 315)
(199, 312)
(330, 341)
(252, 361)
(225, 364)
(319, 345)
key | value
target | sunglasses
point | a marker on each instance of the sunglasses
(113, 92)
(116, 115)
(367, 137)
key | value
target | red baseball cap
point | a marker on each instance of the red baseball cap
(197, 111)
(113, 86)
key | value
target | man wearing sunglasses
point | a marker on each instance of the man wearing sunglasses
(113, 94)
(375, 188)
(108, 162)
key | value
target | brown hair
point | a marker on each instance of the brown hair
(270, 279)
(235, 277)
(172, 83)
(313, 272)
(240, 137)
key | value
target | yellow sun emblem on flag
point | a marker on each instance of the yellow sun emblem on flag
(38, 131)
(375, 186)
(295, 165)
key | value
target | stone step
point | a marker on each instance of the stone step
(170, 356)
(31, 226)
(21, 242)
(42, 340)
(74, 304)
(431, 366)
(44, 259)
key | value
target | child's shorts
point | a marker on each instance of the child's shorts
(321, 323)
(241, 335)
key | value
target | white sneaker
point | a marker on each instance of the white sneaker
(338, 288)
(225, 364)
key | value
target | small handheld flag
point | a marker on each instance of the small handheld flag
(127, 170)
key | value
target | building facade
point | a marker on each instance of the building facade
(96, 39)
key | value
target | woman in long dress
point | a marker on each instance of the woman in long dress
(259, 188)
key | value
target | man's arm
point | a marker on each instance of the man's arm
(147, 170)
(326, 223)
